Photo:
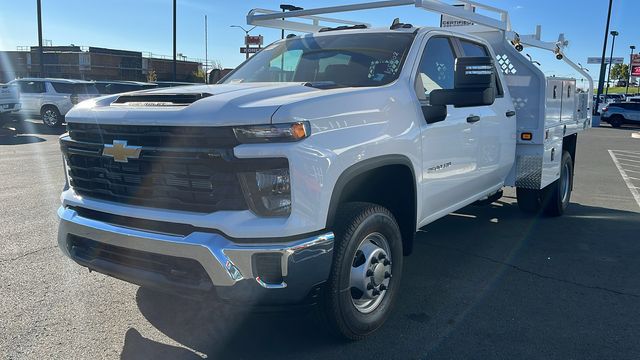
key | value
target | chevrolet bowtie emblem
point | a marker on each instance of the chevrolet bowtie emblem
(121, 152)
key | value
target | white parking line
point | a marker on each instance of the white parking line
(627, 179)
(628, 151)
(627, 165)
(625, 159)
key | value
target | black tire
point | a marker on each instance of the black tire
(51, 116)
(616, 121)
(558, 194)
(529, 200)
(355, 224)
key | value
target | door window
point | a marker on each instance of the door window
(436, 70)
(31, 87)
(471, 48)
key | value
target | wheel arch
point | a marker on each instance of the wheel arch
(44, 106)
(569, 144)
(369, 181)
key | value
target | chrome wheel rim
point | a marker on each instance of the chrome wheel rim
(565, 183)
(370, 273)
(50, 117)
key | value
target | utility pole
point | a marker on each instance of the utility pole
(626, 91)
(206, 75)
(602, 65)
(40, 52)
(613, 44)
(174, 42)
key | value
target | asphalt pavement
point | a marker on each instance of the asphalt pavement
(484, 283)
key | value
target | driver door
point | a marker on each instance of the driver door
(449, 146)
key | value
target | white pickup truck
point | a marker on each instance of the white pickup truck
(304, 175)
(9, 101)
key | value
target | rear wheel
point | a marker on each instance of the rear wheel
(553, 199)
(366, 270)
(616, 121)
(51, 116)
(559, 192)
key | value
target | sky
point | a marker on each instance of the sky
(146, 25)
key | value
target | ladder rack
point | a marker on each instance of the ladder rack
(295, 21)
(279, 20)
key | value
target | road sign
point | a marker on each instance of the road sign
(635, 65)
(251, 50)
(253, 40)
(598, 60)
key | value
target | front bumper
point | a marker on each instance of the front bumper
(233, 269)
(13, 107)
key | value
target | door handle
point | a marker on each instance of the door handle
(473, 118)
(510, 113)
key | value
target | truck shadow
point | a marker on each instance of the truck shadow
(19, 126)
(461, 265)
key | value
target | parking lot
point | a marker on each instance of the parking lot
(486, 282)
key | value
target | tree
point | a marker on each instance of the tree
(198, 75)
(152, 76)
(620, 72)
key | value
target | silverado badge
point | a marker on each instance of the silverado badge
(120, 151)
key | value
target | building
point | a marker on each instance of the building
(93, 63)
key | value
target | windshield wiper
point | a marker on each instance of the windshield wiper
(323, 84)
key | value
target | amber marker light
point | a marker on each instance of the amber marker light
(526, 136)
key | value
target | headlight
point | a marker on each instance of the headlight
(268, 192)
(272, 132)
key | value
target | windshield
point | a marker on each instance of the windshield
(342, 60)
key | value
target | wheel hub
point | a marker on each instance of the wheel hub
(370, 273)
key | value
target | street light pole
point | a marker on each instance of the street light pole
(174, 42)
(246, 33)
(206, 57)
(626, 91)
(40, 52)
(613, 44)
(286, 7)
(602, 65)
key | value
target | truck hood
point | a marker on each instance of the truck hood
(220, 105)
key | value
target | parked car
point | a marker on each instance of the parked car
(117, 87)
(307, 182)
(634, 99)
(9, 101)
(52, 98)
(620, 113)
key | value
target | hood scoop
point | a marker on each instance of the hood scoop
(159, 100)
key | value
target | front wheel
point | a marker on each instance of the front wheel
(616, 121)
(51, 116)
(366, 270)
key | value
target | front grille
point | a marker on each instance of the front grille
(156, 136)
(190, 178)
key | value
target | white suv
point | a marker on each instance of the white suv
(52, 98)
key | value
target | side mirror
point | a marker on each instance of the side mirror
(474, 84)
(434, 113)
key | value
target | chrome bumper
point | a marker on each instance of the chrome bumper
(304, 263)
